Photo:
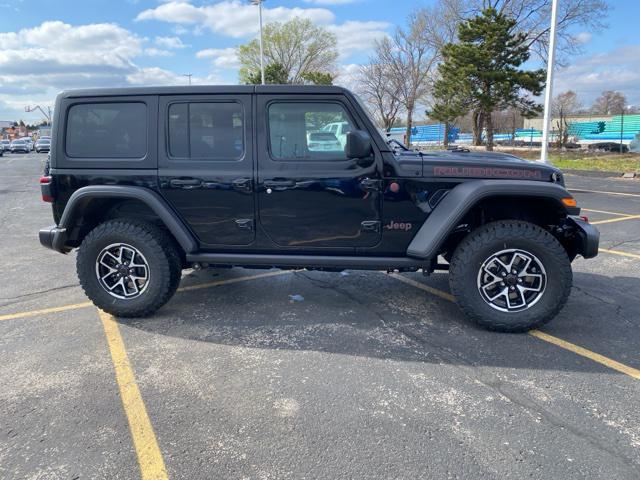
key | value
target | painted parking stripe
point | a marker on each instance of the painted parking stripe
(606, 212)
(144, 438)
(44, 311)
(583, 352)
(620, 219)
(76, 306)
(623, 194)
(618, 252)
(596, 357)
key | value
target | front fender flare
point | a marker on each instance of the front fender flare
(153, 200)
(462, 198)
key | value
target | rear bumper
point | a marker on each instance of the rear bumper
(54, 238)
(587, 237)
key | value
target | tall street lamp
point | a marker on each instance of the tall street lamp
(259, 4)
(548, 91)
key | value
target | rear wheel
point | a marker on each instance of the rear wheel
(128, 268)
(510, 276)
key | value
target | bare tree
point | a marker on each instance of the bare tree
(609, 103)
(565, 103)
(379, 93)
(411, 56)
(532, 19)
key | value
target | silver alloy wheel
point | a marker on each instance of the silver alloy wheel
(122, 271)
(512, 280)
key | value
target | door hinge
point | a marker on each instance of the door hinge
(370, 226)
(244, 223)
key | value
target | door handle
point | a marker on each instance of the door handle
(371, 184)
(186, 183)
(279, 183)
(242, 184)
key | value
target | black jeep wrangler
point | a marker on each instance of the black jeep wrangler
(145, 182)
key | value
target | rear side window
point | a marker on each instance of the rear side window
(206, 130)
(107, 130)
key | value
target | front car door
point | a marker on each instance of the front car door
(205, 165)
(310, 195)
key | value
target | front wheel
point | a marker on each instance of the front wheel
(510, 276)
(128, 268)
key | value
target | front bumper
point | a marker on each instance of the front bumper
(54, 238)
(587, 237)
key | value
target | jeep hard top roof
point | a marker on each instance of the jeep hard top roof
(205, 89)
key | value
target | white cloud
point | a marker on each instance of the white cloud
(331, 2)
(357, 37)
(221, 57)
(170, 42)
(347, 76)
(36, 63)
(232, 18)
(583, 37)
(614, 70)
(160, 76)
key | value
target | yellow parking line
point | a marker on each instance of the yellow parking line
(596, 357)
(623, 194)
(618, 252)
(144, 439)
(33, 313)
(621, 219)
(422, 286)
(76, 306)
(606, 212)
(233, 280)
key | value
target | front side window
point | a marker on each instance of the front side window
(107, 130)
(307, 131)
(206, 131)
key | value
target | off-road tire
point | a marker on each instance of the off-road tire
(160, 252)
(491, 238)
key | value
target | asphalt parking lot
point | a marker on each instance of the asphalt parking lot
(292, 375)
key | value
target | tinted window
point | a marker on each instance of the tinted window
(293, 129)
(211, 131)
(97, 130)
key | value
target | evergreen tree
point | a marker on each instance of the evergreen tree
(481, 72)
(274, 73)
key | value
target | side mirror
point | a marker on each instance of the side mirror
(358, 144)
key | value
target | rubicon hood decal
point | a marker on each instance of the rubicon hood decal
(486, 172)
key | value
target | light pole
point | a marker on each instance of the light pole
(47, 114)
(259, 4)
(548, 91)
(188, 75)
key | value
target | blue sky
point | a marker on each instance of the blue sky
(49, 45)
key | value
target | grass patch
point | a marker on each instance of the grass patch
(601, 162)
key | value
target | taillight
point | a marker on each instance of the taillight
(45, 187)
(585, 218)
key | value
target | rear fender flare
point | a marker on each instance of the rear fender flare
(153, 200)
(462, 198)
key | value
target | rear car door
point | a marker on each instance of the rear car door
(310, 195)
(205, 165)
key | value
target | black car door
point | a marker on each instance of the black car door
(205, 165)
(310, 195)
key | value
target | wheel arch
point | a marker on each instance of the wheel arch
(536, 202)
(87, 206)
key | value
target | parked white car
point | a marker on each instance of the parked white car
(339, 129)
